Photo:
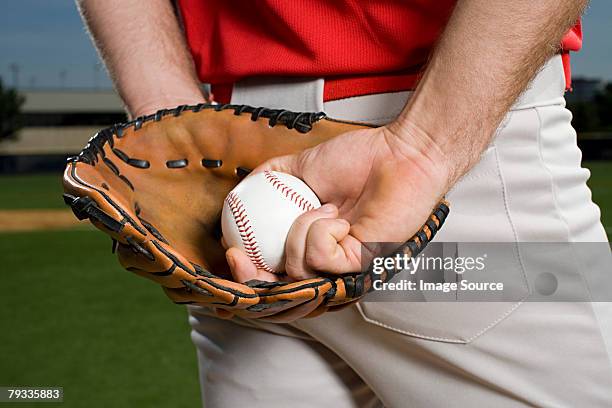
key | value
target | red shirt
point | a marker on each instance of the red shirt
(359, 47)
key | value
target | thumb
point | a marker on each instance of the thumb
(284, 164)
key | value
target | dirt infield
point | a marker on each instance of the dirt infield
(32, 220)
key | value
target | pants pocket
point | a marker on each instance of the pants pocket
(478, 213)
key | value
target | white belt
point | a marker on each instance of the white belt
(306, 94)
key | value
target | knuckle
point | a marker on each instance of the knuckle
(319, 227)
(315, 258)
(293, 265)
(302, 222)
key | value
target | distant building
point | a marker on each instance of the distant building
(71, 108)
(58, 123)
(584, 89)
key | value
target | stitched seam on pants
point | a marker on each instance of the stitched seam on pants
(558, 211)
(551, 179)
(413, 334)
(507, 207)
(499, 319)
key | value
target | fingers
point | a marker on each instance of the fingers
(295, 247)
(330, 248)
(244, 270)
(312, 243)
(317, 241)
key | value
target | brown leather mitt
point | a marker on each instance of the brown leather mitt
(157, 184)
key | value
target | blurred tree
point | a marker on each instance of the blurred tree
(603, 101)
(10, 112)
(593, 115)
(585, 116)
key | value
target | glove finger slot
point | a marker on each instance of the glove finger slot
(177, 164)
(211, 164)
(134, 162)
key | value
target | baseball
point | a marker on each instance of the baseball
(258, 213)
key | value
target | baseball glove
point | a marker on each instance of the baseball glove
(157, 184)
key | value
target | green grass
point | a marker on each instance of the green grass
(70, 316)
(601, 186)
(36, 191)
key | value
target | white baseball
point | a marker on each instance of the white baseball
(258, 213)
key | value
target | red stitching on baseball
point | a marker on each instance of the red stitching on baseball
(288, 192)
(246, 232)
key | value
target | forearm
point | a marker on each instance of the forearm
(486, 57)
(145, 52)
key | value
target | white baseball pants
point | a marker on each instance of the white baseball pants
(528, 186)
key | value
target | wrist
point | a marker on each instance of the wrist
(148, 96)
(412, 143)
(455, 138)
(152, 106)
(145, 103)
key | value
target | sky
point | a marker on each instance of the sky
(46, 41)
